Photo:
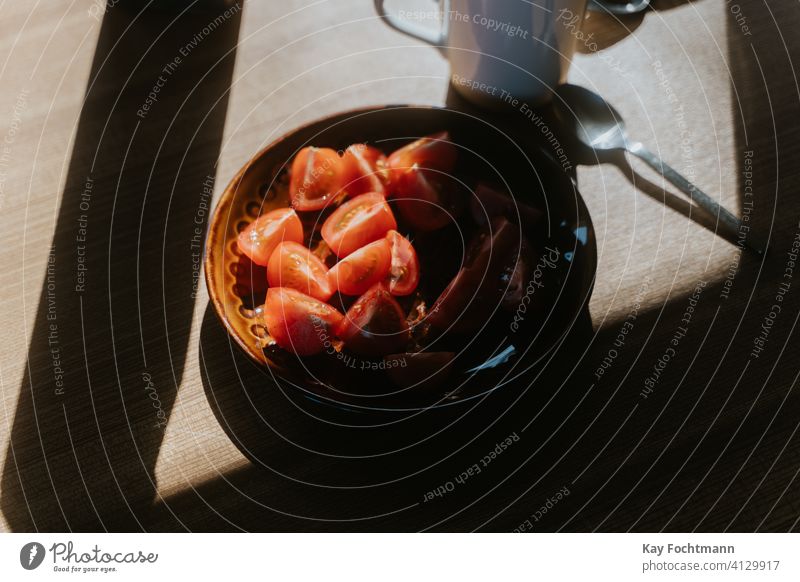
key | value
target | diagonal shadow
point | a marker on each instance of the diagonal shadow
(109, 341)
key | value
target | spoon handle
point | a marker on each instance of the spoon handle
(693, 192)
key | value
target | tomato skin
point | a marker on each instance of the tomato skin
(293, 265)
(488, 202)
(419, 176)
(359, 271)
(403, 276)
(375, 324)
(367, 170)
(435, 151)
(260, 238)
(357, 222)
(318, 177)
(298, 322)
(475, 291)
(426, 199)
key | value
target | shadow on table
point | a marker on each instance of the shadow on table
(109, 340)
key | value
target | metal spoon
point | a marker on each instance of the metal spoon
(600, 127)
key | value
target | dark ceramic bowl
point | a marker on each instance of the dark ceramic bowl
(497, 355)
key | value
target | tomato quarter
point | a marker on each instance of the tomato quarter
(368, 170)
(318, 178)
(428, 200)
(298, 322)
(473, 294)
(293, 265)
(375, 325)
(436, 152)
(360, 270)
(488, 202)
(260, 238)
(357, 222)
(403, 275)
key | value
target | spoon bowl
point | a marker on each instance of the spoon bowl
(593, 120)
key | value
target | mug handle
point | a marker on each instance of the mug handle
(436, 38)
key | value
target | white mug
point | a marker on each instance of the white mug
(500, 50)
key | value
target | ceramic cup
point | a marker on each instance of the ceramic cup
(499, 50)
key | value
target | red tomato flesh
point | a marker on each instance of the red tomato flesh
(475, 292)
(435, 151)
(360, 270)
(260, 238)
(293, 265)
(403, 275)
(488, 202)
(298, 322)
(368, 170)
(357, 222)
(318, 178)
(427, 200)
(375, 325)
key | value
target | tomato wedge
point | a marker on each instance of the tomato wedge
(359, 221)
(403, 276)
(360, 270)
(260, 238)
(375, 325)
(368, 170)
(488, 202)
(293, 265)
(318, 177)
(427, 200)
(476, 291)
(435, 151)
(298, 322)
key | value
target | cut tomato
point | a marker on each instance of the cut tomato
(368, 170)
(318, 178)
(357, 222)
(488, 202)
(298, 322)
(375, 325)
(360, 270)
(419, 175)
(475, 291)
(404, 270)
(260, 238)
(293, 265)
(436, 152)
(428, 200)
